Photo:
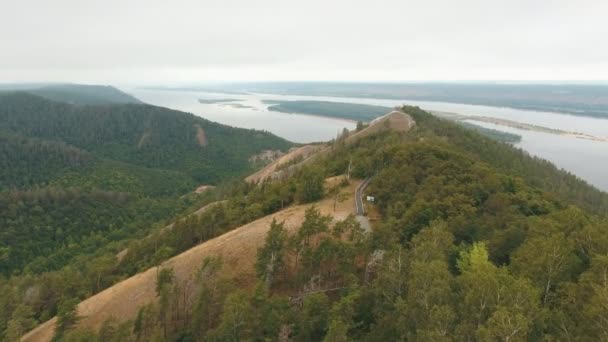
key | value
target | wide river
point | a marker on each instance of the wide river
(585, 158)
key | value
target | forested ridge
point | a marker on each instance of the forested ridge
(476, 241)
(141, 135)
(77, 94)
(536, 171)
(150, 154)
(79, 182)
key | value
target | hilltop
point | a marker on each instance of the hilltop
(76, 94)
(458, 219)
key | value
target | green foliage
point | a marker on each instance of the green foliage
(464, 250)
(270, 257)
(21, 322)
(536, 172)
(314, 317)
(42, 230)
(360, 125)
(140, 135)
(492, 133)
(164, 278)
(67, 317)
(83, 187)
(310, 187)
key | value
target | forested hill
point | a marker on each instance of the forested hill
(350, 111)
(135, 135)
(537, 172)
(472, 240)
(78, 94)
(76, 178)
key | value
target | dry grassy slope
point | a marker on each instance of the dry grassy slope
(269, 169)
(395, 120)
(237, 248)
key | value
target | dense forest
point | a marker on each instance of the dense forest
(79, 183)
(140, 135)
(477, 241)
(492, 133)
(148, 155)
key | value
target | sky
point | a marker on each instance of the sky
(196, 41)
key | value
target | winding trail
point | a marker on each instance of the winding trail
(360, 208)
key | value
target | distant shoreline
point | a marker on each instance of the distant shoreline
(518, 125)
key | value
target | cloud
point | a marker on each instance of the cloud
(190, 41)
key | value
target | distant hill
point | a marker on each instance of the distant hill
(136, 135)
(85, 94)
(77, 94)
(77, 178)
(576, 99)
(350, 111)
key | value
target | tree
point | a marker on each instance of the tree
(234, 319)
(164, 285)
(547, 261)
(270, 257)
(493, 302)
(429, 303)
(211, 294)
(67, 317)
(341, 318)
(314, 223)
(360, 125)
(309, 186)
(164, 278)
(21, 322)
(314, 317)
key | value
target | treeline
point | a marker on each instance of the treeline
(140, 135)
(463, 251)
(45, 229)
(350, 111)
(492, 133)
(25, 162)
(535, 171)
(99, 254)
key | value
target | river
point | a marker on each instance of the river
(585, 158)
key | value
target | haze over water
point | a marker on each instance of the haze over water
(585, 158)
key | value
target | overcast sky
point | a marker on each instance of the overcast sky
(183, 41)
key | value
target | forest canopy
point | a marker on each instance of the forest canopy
(475, 240)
